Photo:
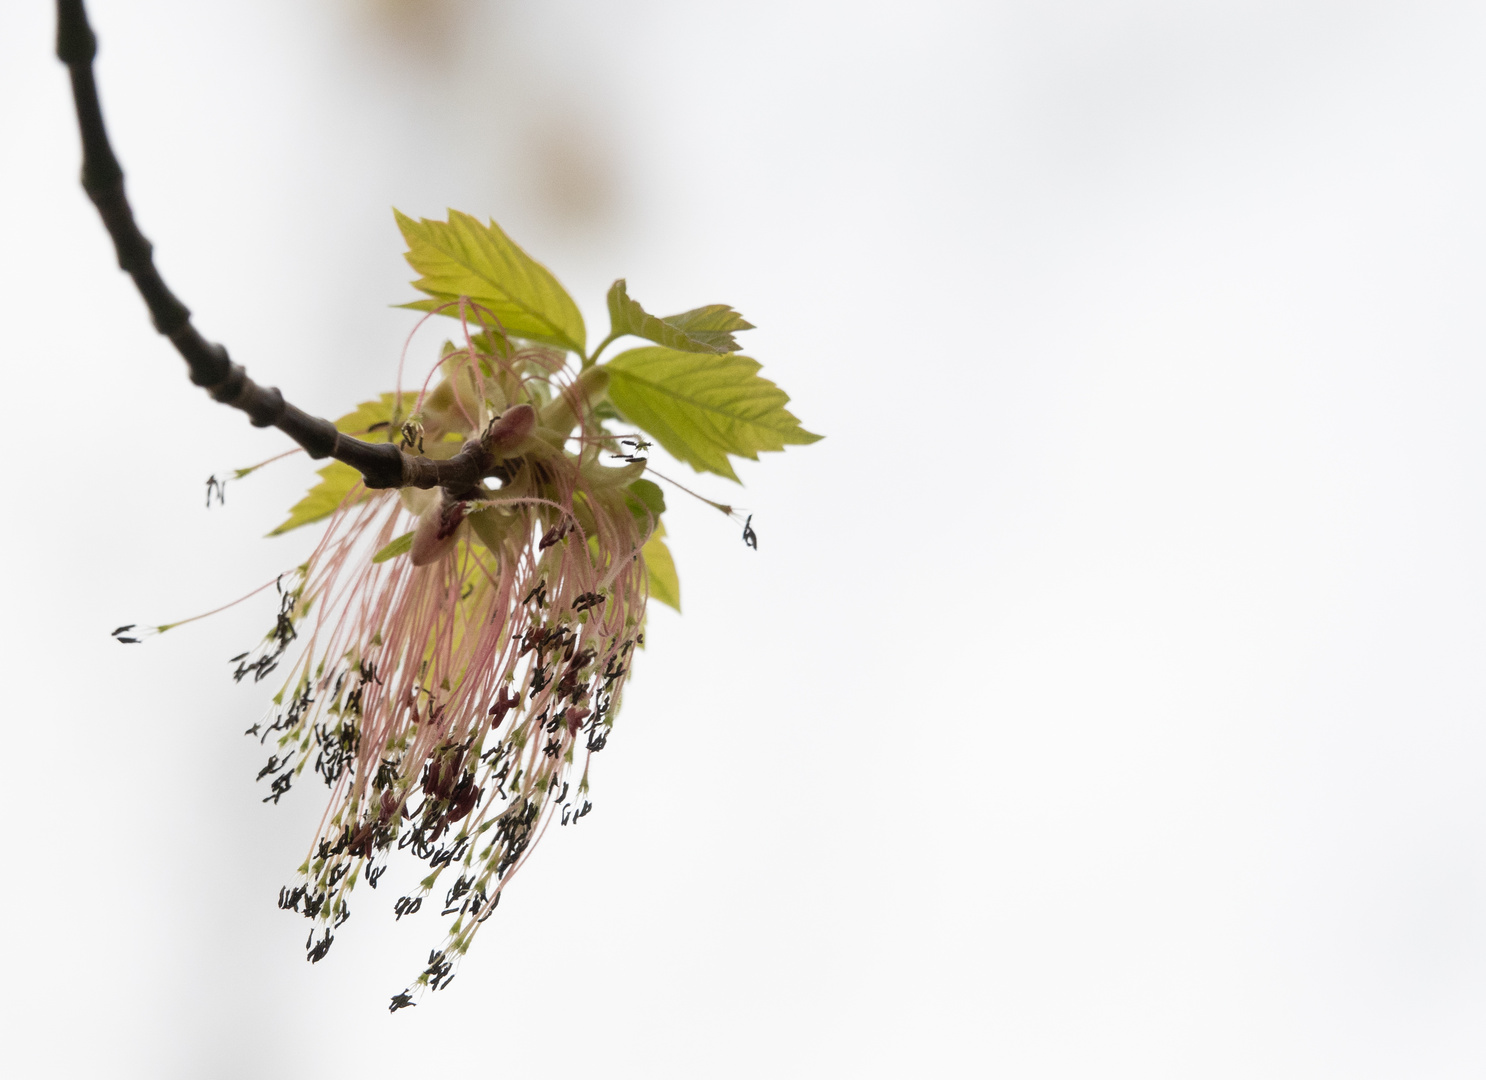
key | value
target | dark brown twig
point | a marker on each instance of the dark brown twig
(382, 465)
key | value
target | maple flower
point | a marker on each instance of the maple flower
(466, 624)
(459, 659)
(454, 651)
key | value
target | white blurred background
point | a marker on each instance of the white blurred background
(1106, 697)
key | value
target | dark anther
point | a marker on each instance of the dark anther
(463, 799)
(279, 786)
(539, 680)
(274, 765)
(322, 947)
(749, 536)
(403, 1000)
(386, 775)
(289, 899)
(218, 488)
(438, 970)
(505, 701)
(459, 888)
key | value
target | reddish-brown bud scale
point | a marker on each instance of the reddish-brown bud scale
(435, 533)
(512, 429)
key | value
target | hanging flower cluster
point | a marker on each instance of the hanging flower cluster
(456, 646)
(453, 659)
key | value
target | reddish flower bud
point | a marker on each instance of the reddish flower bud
(512, 429)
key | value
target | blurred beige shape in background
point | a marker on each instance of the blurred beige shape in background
(426, 30)
(537, 137)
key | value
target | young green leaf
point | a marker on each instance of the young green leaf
(646, 503)
(660, 570)
(650, 495)
(336, 481)
(703, 408)
(400, 546)
(369, 420)
(372, 420)
(464, 258)
(626, 316)
(712, 325)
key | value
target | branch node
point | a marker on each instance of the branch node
(264, 408)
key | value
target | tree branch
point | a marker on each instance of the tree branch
(382, 465)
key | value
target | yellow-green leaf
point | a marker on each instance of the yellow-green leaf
(461, 257)
(372, 421)
(400, 546)
(703, 408)
(712, 325)
(336, 481)
(626, 316)
(647, 499)
(660, 569)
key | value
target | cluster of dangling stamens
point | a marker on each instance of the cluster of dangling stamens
(451, 702)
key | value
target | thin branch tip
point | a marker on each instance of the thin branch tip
(382, 465)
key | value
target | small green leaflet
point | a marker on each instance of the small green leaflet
(713, 325)
(464, 258)
(400, 546)
(369, 414)
(337, 479)
(660, 569)
(703, 408)
(709, 331)
(646, 501)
